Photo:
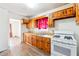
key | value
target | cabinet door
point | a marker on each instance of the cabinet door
(54, 15)
(48, 48)
(64, 13)
(30, 40)
(40, 42)
(77, 13)
(33, 40)
(59, 14)
(27, 38)
(70, 11)
(37, 41)
(47, 45)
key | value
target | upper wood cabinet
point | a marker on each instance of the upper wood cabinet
(77, 13)
(65, 13)
(29, 25)
(50, 21)
(25, 21)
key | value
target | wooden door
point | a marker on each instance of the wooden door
(29, 38)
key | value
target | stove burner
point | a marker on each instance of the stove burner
(57, 36)
(68, 37)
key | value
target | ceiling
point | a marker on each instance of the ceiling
(24, 10)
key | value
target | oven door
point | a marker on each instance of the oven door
(62, 49)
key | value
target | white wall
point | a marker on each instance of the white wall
(5, 15)
(70, 25)
(4, 29)
(15, 16)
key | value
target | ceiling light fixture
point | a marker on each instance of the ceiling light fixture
(31, 5)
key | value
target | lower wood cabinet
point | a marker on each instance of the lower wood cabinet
(33, 40)
(42, 43)
(47, 45)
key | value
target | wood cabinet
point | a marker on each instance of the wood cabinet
(25, 21)
(77, 13)
(39, 42)
(42, 43)
(27, 38)
(47, 45)
(65, 13)
(33, 40)
(50, 21)
(29, 25)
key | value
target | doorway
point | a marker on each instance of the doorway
(14, 32)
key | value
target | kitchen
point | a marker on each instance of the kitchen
(46, 30)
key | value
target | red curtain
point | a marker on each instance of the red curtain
(42, 23)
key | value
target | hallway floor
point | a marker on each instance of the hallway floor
(17, 49)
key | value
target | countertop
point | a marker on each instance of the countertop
(41, 35)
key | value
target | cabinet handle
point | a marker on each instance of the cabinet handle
(41, 41)
(48, 42)
(41, 48)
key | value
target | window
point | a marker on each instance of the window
(42, 23)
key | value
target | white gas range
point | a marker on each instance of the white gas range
(63, 44)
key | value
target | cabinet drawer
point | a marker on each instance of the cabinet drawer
(47, 48)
